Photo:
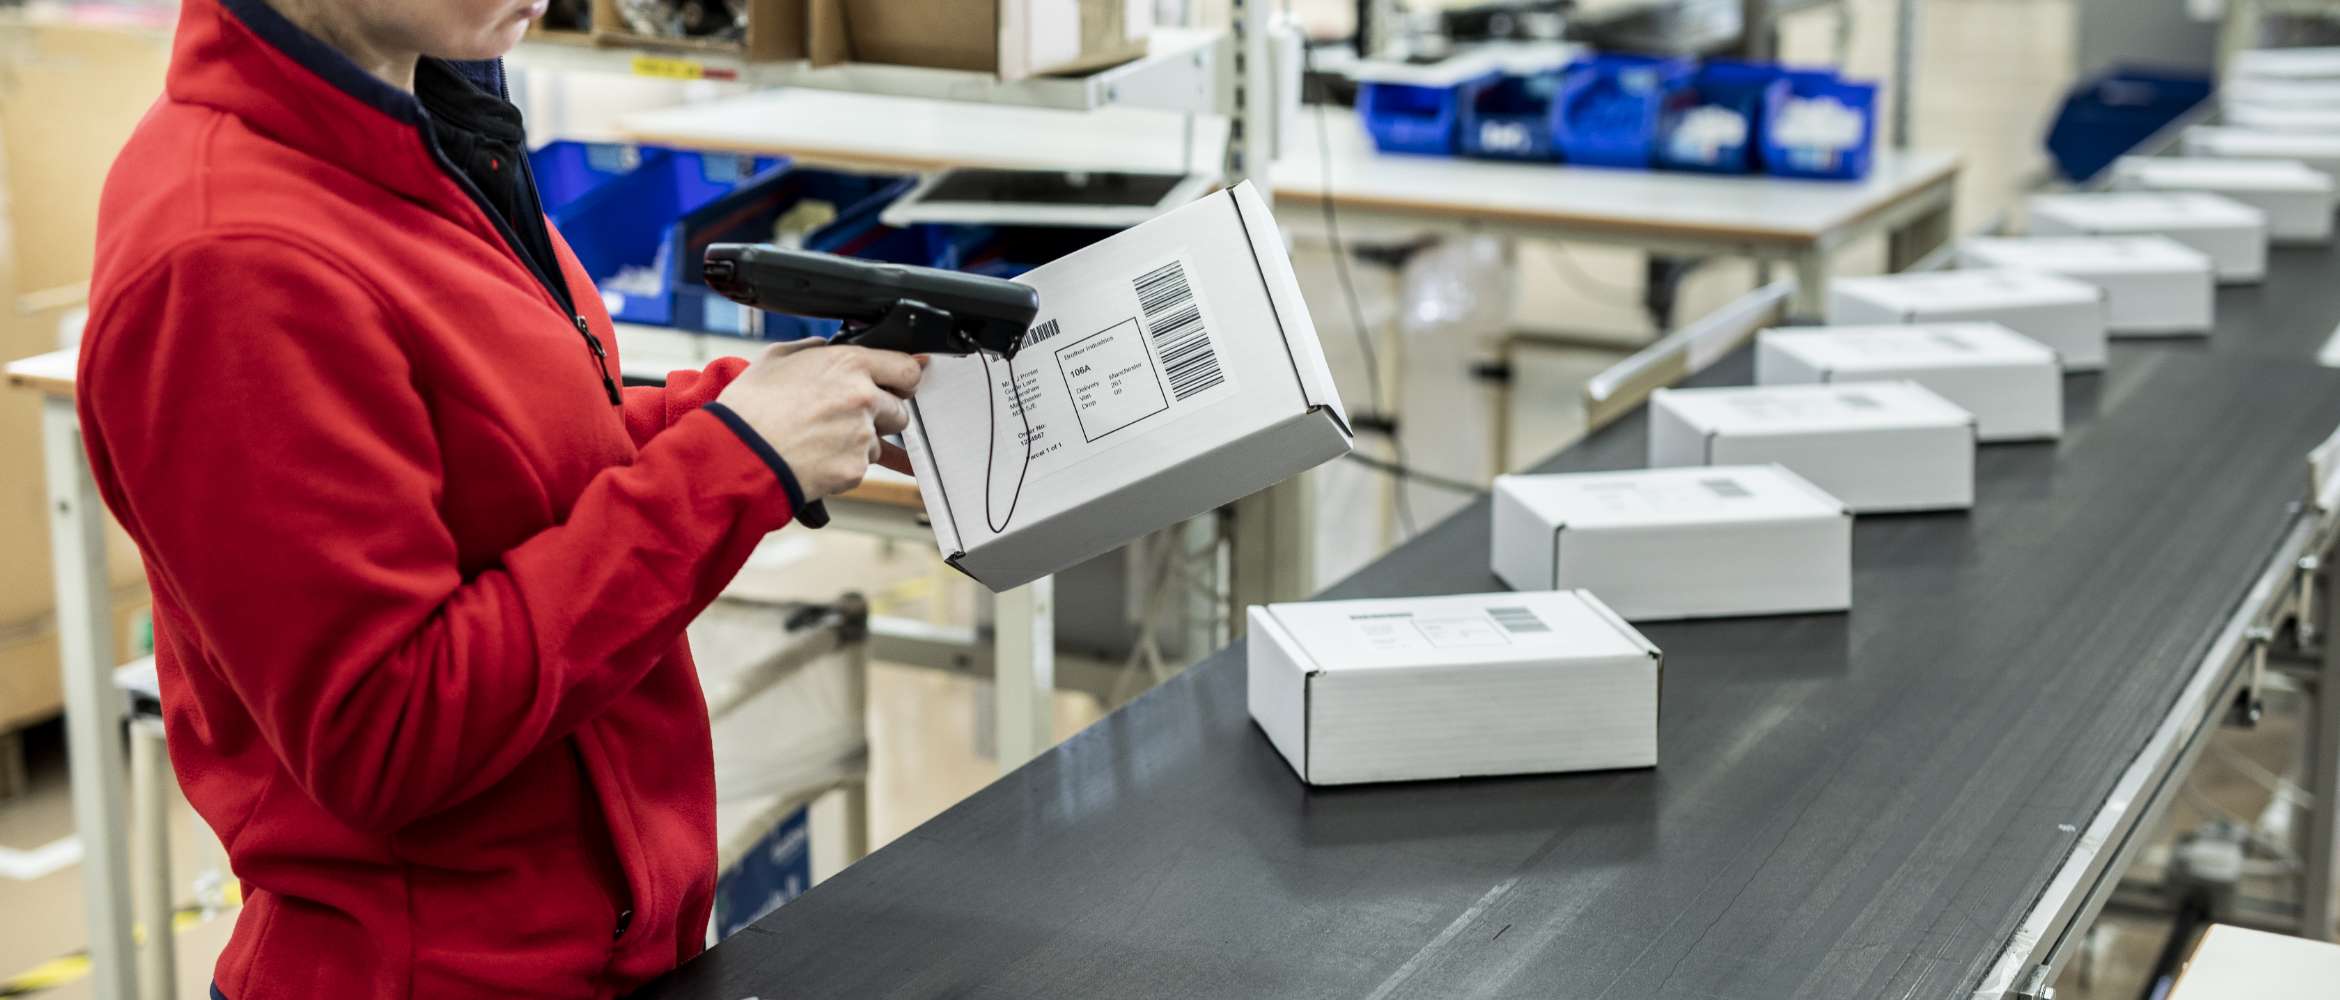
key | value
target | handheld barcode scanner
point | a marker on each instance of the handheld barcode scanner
(892, 307)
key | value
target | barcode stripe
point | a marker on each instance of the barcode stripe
(1190, 363)
(1040, 333)
(1517, 621)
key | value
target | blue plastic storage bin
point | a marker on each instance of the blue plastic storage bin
(1798, 156)
(631, 224)
(1732, 96)
(1509, 117)
(567, 170)
(1405, 118)
(748, 216)
(2108, 115)
(1608, 109)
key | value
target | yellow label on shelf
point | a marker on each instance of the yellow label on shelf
(670, 68)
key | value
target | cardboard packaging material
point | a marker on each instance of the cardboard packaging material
(2065, 314)
(2318, 150)
(1423, 688)
(775, 32)
(2010, 382)
(1879, 447)
(1014, 39)
(2298, 199)
(1678, 543)
(2153, 285)
(1173, 369)
(2233, 235)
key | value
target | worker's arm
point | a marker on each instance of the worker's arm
(651, 409)
(260, 428)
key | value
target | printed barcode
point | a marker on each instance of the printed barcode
(1518, 621)
(1858, 401)
(1728, 489)
(1188, 359)
(1039, 333)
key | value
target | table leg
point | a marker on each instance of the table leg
(1024, 672)
(1811, 301)
(93, 710)
(150, 779)
(2323, 739)
(1907, 245)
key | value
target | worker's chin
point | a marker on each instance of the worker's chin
(493, 43)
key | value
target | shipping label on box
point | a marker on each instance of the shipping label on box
(2066, 314)
(2298, 199)
(1877, 446)
(1174, 368)
(2010, 382)
(1677, 543)
(1422, 688)
(2233, 235)
(2152, 284)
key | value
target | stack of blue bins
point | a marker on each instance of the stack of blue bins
(629, 219)
(1608, 110)
(1510, 117)
(1783, 156)
(1412, 118)
(1724, 92)
(747, 216)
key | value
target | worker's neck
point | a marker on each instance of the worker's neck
(336, 23)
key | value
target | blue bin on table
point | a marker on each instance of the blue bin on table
(2109, 114)
(1719, 91)
(1797, 156)
(1510, 117)
(568, 170)
(631, 224)
(1609, 106)
(1009, 251)
(1411, 118)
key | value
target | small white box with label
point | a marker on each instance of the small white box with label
(2298, 199)
(2152, 284)
(1678, 543)
(1878, 446)
(2318, 150)
(2065, 314)
(1173, 369)
(2007, 380)
(1422, 688)
(2232, 234)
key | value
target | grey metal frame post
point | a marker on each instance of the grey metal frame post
(1904, 69)
(2323, 773)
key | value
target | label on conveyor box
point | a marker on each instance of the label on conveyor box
(1405, 630)
(1665, 496)
(1128, 355)
(1802, 406)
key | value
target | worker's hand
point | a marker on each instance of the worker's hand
(824, 409)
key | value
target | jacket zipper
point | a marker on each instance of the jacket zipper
(557, 289)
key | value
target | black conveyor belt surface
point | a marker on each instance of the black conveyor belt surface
(1847, 806)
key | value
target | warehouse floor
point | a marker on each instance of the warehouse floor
(930, 730)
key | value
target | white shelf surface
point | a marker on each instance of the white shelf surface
(1178, 73)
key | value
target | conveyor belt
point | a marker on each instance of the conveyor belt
(1852, 806)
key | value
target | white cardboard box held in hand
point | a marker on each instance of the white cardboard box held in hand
(2010, 382)
(2299, 199)
(1173, 369)
(2063, 313)
(2233, 234)
(2153, 285)
(1410, 689)
(1677, 543)
(1877, 446)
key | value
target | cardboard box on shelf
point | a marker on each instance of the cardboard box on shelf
(1879, 447)
(2298, 199)
(31, 681)
(776, 31)
(2010, 382)
(1013, 39)
(1677, 543)
(2232, 234)
(1174, 368)
(1423, 688)
(2063, 313)
(2153, 285)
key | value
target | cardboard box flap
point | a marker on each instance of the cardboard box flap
(1283, 291)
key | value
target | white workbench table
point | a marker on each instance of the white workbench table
(1802, 222)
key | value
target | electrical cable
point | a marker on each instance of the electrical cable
(991, 445)
(1417, 475)
(1332, 227)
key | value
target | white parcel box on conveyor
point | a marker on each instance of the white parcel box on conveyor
(2298, 199)
(2316, 149)
(2065, 314)
(2010, 382)
(2152, 284)
(2232, 234)
(1877, 446)
(1677, 543)
(1409, 689)
(1173, 369)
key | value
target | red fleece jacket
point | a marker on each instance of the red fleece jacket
(419, 587)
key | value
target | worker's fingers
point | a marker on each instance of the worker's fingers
(893, 457)
(788, 347)
(894, 371)
(892, 415)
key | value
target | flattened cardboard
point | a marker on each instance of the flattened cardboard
(1013, 39)
(1660, 544)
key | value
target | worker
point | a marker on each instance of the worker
(421, 568)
